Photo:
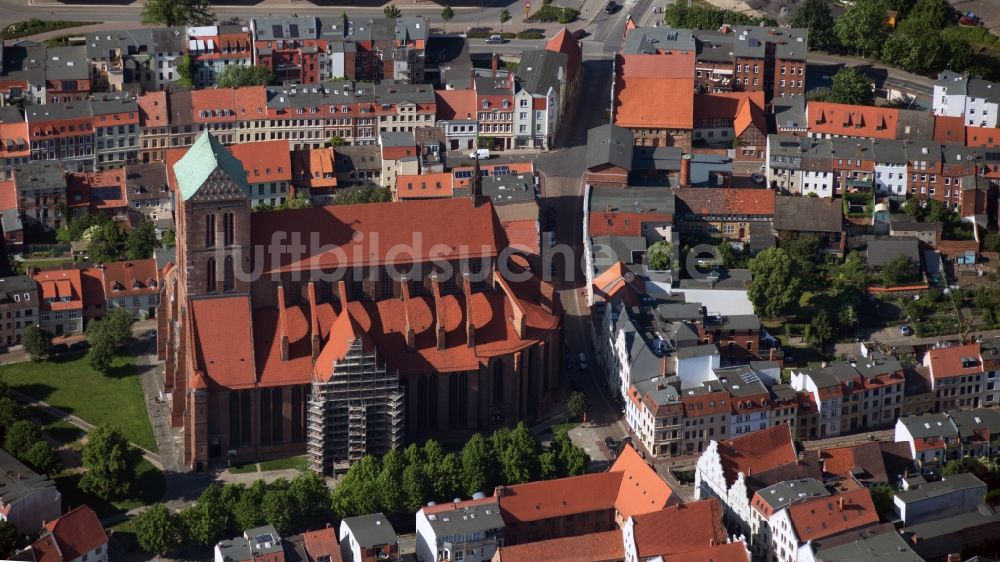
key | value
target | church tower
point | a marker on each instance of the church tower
(213, 220)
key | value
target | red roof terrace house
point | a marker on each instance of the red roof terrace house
(347, 345)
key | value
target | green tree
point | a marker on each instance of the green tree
(111, 464)
(504, 18)
(775, 286)
(363, 194)
(357, 492)
(929, 15)
(107, 337)
(99, 358)
(519, 459)
(815, 16)
(277, 506)
(477, 465)
(177, 12)
(953, 467)
(899, 270)
(822, 329)
(576, 403)
(571, 460)
(42, 458)
(447, 13)
(992, 242)
(882, 495)
(390, 483)
(207, 522)
(658, 256)
(548, 465)
(240, 76)
(852, 87)
(157, 530)
(8, 539)
(247, 510)
(392, 12)
(185, 71)
(862, 27)
(20, 437)
(337, 141)
(37, 342)
(10, 412)
(142, 240)
(447, 480)
(299, 201)
(310, 498)
(416, 488)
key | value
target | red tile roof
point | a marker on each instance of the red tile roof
(947, 362)
(8, 195)
(757, 452)
(226, 362)
(949, 129)
(314, 168)
(981, 136)
(725, 201)
(729, 552)
(852, 120)
(76, 533)
(153, 110)
(593, 547)
(750, 113)
(843, 461)
(97, 190)
(724, 105)
(564, 42)
(675, 530)
(615, 281)
(265, 161)
(710, 403)
(60, 289)
(824, 517)
(631, 487)
(655, 103)
(642, 490)
(130, 278)
(393, 225)
(522, 235)
(322, 542)
(425, 186)
(667, 65)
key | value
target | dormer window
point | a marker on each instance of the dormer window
(486, 104)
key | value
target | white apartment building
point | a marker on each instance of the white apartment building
(465, 531)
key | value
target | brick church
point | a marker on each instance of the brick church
(311, 331)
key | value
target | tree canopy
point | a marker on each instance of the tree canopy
(862, 27)
(37, 342)
(815, 16)
(157, 530)
(658, 255)
(111, 464)
(392, 11)
(178, 12)
(775, 286)
(239, 75)
(852, 87)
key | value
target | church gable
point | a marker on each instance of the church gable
(217, 187)
(209, 165)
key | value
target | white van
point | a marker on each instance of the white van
(480, 154)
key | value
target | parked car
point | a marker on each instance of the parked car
(611, 8)
(580, 34)
(80, 345)
(757, 178)
(905, 330)
(495, 40)
(583, 361)
(480, 154)
(612, 445)
(59, 348)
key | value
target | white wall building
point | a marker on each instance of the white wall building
(466, 531)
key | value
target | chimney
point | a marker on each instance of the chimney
(282, 323)
(411, 336)
(439, 312)
(840, 504)
(342, 292)
(494, 63)
(470, 328)
(685, 180)
(313, 321)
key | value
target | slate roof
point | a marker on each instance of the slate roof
(930, 425)
(947, 485)
(785, 493)
(808, 214)
(464, 517)
(884, 547)
(881, 252)
(609, 144)
(371, 530)
(540, 70)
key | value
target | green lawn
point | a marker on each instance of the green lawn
(298, 463)
(60, 430)
(42, 263)
(71, 385)
(556, 428)
(33, 26)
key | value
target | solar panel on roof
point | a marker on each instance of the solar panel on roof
(293, 30)
(276, 30)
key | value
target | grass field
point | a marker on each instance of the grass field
(62, 431)
(288, 463)
(71, 385)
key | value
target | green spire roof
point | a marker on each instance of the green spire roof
(204, 156)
